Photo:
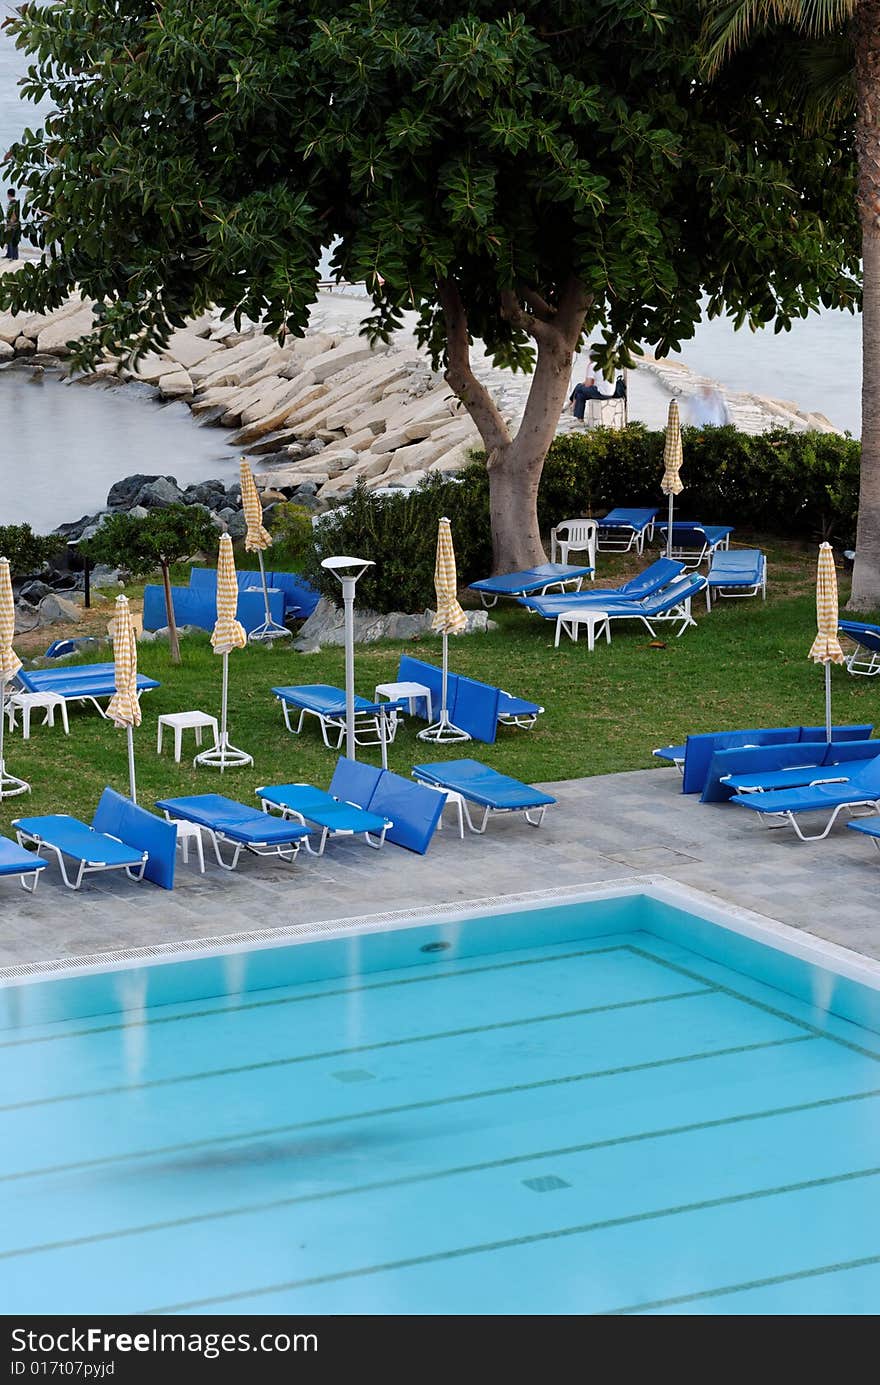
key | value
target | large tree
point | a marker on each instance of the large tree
(525, 177)
(836, 78)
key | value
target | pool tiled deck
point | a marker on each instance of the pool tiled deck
(603, 828)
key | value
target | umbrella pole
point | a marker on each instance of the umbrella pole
(443, 729)
(269, 630)
(223, 755)
(828, 701)
(9, 785)
(132, 787)
(669, 525)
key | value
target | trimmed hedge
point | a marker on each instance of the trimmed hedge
(789, 484)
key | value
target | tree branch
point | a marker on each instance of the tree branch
(460, 376)
(539, 306)
(513, 312)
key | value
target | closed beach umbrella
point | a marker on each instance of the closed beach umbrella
(671, 484)
(449, 619)
(228, 634)
(9, 666)
(257, 540)
(124, 709)
(825, 648)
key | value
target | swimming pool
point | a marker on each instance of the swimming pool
(619, 1100)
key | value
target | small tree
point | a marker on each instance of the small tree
(27, 552)
(140, 546)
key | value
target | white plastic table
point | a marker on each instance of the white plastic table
(27, 702)
(395, 692)
(185, 721)
(189, 832)
(594, 622)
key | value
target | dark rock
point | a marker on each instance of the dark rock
(233, 494)
(236, 526)
(72, 530)
(312, 448)
(57, 608)
(61, 581)
(210, 493)
(121, 496)
(34, 592)
(103, 576)
(158, 495)
(27, 617)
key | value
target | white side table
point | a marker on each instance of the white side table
(453, 800)
(189, 832)
(185, 721)
(27, 702)
(595, 622)
(395, 692)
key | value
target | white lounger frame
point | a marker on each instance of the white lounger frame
(680, 612)
(367, 730)
(85, 867)
(614, 540)
(693, 557)
(861, 660)
(872, 805)
(463, 804)
(730, 593)
(490, 599)
(286, 851)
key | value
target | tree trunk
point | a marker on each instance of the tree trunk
(866, 35)
(515, 470)
(173, 641)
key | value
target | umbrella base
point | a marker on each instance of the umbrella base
(10, 787)
(223, 756)
(443, 732)
(269, 631)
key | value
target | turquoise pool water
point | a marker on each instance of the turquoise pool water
(605, 1107)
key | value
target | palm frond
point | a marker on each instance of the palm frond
(732, 24)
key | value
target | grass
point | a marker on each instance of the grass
(745, 665)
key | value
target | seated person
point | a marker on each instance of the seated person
(595, 386)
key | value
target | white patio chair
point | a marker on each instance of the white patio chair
(575, 536)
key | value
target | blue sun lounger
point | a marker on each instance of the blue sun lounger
(121, 837)
(799, 765)
(736, 572)
(654, 578)
(475, 707)
(327, 705)
(673, 603)
(529, 580)
(330, 811)
(862, 790)
(864, 657)
(82, 683)
(242, 827)
(696, 757)
(624, 528)
(15, 861)
(493, 792)
(692, 542)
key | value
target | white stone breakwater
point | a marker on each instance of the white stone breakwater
(320, 412)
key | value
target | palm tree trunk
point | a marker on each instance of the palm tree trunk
(866, 35)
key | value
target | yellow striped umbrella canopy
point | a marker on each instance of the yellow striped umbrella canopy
(228, 633)
(449, 617)
(124, 709)
(672, 456)
(9, 660)
(257, 537)
(825, 648)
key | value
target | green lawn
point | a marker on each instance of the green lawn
(745, 665)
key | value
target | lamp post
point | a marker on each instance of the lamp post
(348, 570)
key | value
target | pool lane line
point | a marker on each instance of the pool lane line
(227, 1009)
(266, 1064)
(514, 1242)
(761, 1005)
(726, 1289)
(461, 1170)
(380, 1112)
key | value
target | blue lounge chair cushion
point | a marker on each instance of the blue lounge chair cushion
(87, 680)
(529, 579)
(354, 781)
(322, 808)
(77, 840)
(198, 606)
(657, 575)
(870, 827)
(693, 535)
(237, 821)
(14, 860)
(700, 748)
(411, 670)
(413, 810)
(673, 753)
(321, 698)
(119, 817)
(484, 785)
(736, 567)
(861, 787)
(627, 517)
(476, 701)
(509, 706)
(866, 635)
(783, 766)
(475, 709)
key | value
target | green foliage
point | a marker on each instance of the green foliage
(794, 485)
(291, 527)
(140, 546)
(28, 553)
(205, 150)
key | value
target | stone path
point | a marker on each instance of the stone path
(603, 828)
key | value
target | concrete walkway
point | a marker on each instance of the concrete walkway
(603, 828)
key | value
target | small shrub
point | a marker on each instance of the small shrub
(28, 553)
(291, 527)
